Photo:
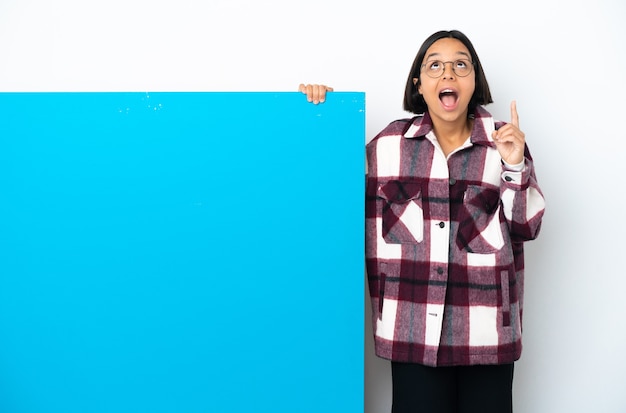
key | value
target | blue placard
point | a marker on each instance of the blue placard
(181, 252)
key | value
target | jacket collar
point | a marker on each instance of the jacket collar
(484, 125)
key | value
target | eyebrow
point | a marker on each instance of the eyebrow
(439, 54)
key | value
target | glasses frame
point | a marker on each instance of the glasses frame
(452, 64)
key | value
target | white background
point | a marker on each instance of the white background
(563, 61)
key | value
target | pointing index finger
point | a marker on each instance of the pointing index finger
(514, 115)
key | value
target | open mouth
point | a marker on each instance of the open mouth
(448, 98)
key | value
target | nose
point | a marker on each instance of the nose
(448, 73)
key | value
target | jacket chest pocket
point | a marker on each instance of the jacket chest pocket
(402, 212)
(479, 221)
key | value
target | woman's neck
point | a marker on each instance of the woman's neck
(451, 135)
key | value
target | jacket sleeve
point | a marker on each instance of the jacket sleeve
(522, 200)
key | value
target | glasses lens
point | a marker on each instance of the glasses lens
(462, 67)
(433, 68)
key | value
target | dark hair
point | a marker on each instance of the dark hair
(414, 102)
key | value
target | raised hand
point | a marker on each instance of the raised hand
(315, 93)
(510, 140)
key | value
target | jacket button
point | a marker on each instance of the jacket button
(452, 181)
(442, 224)
(508, 178)
(439, 270)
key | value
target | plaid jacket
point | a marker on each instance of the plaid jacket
(444, 245)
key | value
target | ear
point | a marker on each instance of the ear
(419, 88)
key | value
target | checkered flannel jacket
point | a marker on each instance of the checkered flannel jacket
(444, 245)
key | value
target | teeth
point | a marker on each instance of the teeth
(447, 91)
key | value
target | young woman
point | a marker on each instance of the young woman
(451, 197)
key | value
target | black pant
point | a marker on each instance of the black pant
(465, 389)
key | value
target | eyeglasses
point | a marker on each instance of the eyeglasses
(435, 68)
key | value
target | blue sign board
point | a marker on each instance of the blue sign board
(181, 252)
